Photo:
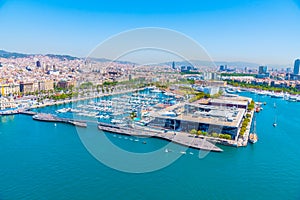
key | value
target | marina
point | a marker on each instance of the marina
(148, 111)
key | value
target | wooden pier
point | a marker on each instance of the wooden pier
(175, 137)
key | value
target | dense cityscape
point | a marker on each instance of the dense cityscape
(38, 74)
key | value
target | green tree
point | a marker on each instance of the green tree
(193, 131)
(204, 133)
(214, 134)
(199, 132)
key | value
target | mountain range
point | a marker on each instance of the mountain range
(241, 65)
(6, 54)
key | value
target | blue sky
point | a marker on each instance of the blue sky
(265, 32)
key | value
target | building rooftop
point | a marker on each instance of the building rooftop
(207, 114)
(230, 101)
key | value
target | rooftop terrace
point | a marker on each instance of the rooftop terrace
(207, 114)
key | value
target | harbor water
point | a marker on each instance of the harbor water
(43, 161)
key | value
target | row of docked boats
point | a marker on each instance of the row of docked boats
(285, 96)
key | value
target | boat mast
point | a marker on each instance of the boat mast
(254, 124)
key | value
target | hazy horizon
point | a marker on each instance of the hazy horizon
(231, 63)
(233, 30)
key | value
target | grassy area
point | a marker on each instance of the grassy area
(199, 95)
(244, 125)
(251, 106)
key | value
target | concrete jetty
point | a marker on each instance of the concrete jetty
(52, 118)
(18, 111)
(28, 112)
(175, 137)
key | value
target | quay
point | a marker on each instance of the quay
(52, 118)
(175, 137)
(28, 112)
(9, 112)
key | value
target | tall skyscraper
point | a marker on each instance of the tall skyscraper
(173, 65)
(38, 63)
(296, 66)
(262, 69)
(222, 68)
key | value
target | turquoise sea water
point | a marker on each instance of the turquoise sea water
(43, 161)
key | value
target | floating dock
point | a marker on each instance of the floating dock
(175, 137)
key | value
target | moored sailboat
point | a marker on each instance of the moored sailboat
(275, 123)
(253, 136)
(275, 118)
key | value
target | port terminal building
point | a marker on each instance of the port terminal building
(223, 115)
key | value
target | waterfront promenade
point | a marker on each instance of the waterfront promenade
(66, 101)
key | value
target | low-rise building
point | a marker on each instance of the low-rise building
(26, 87)
(46, 85)
(9, 89)
(65, 84)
